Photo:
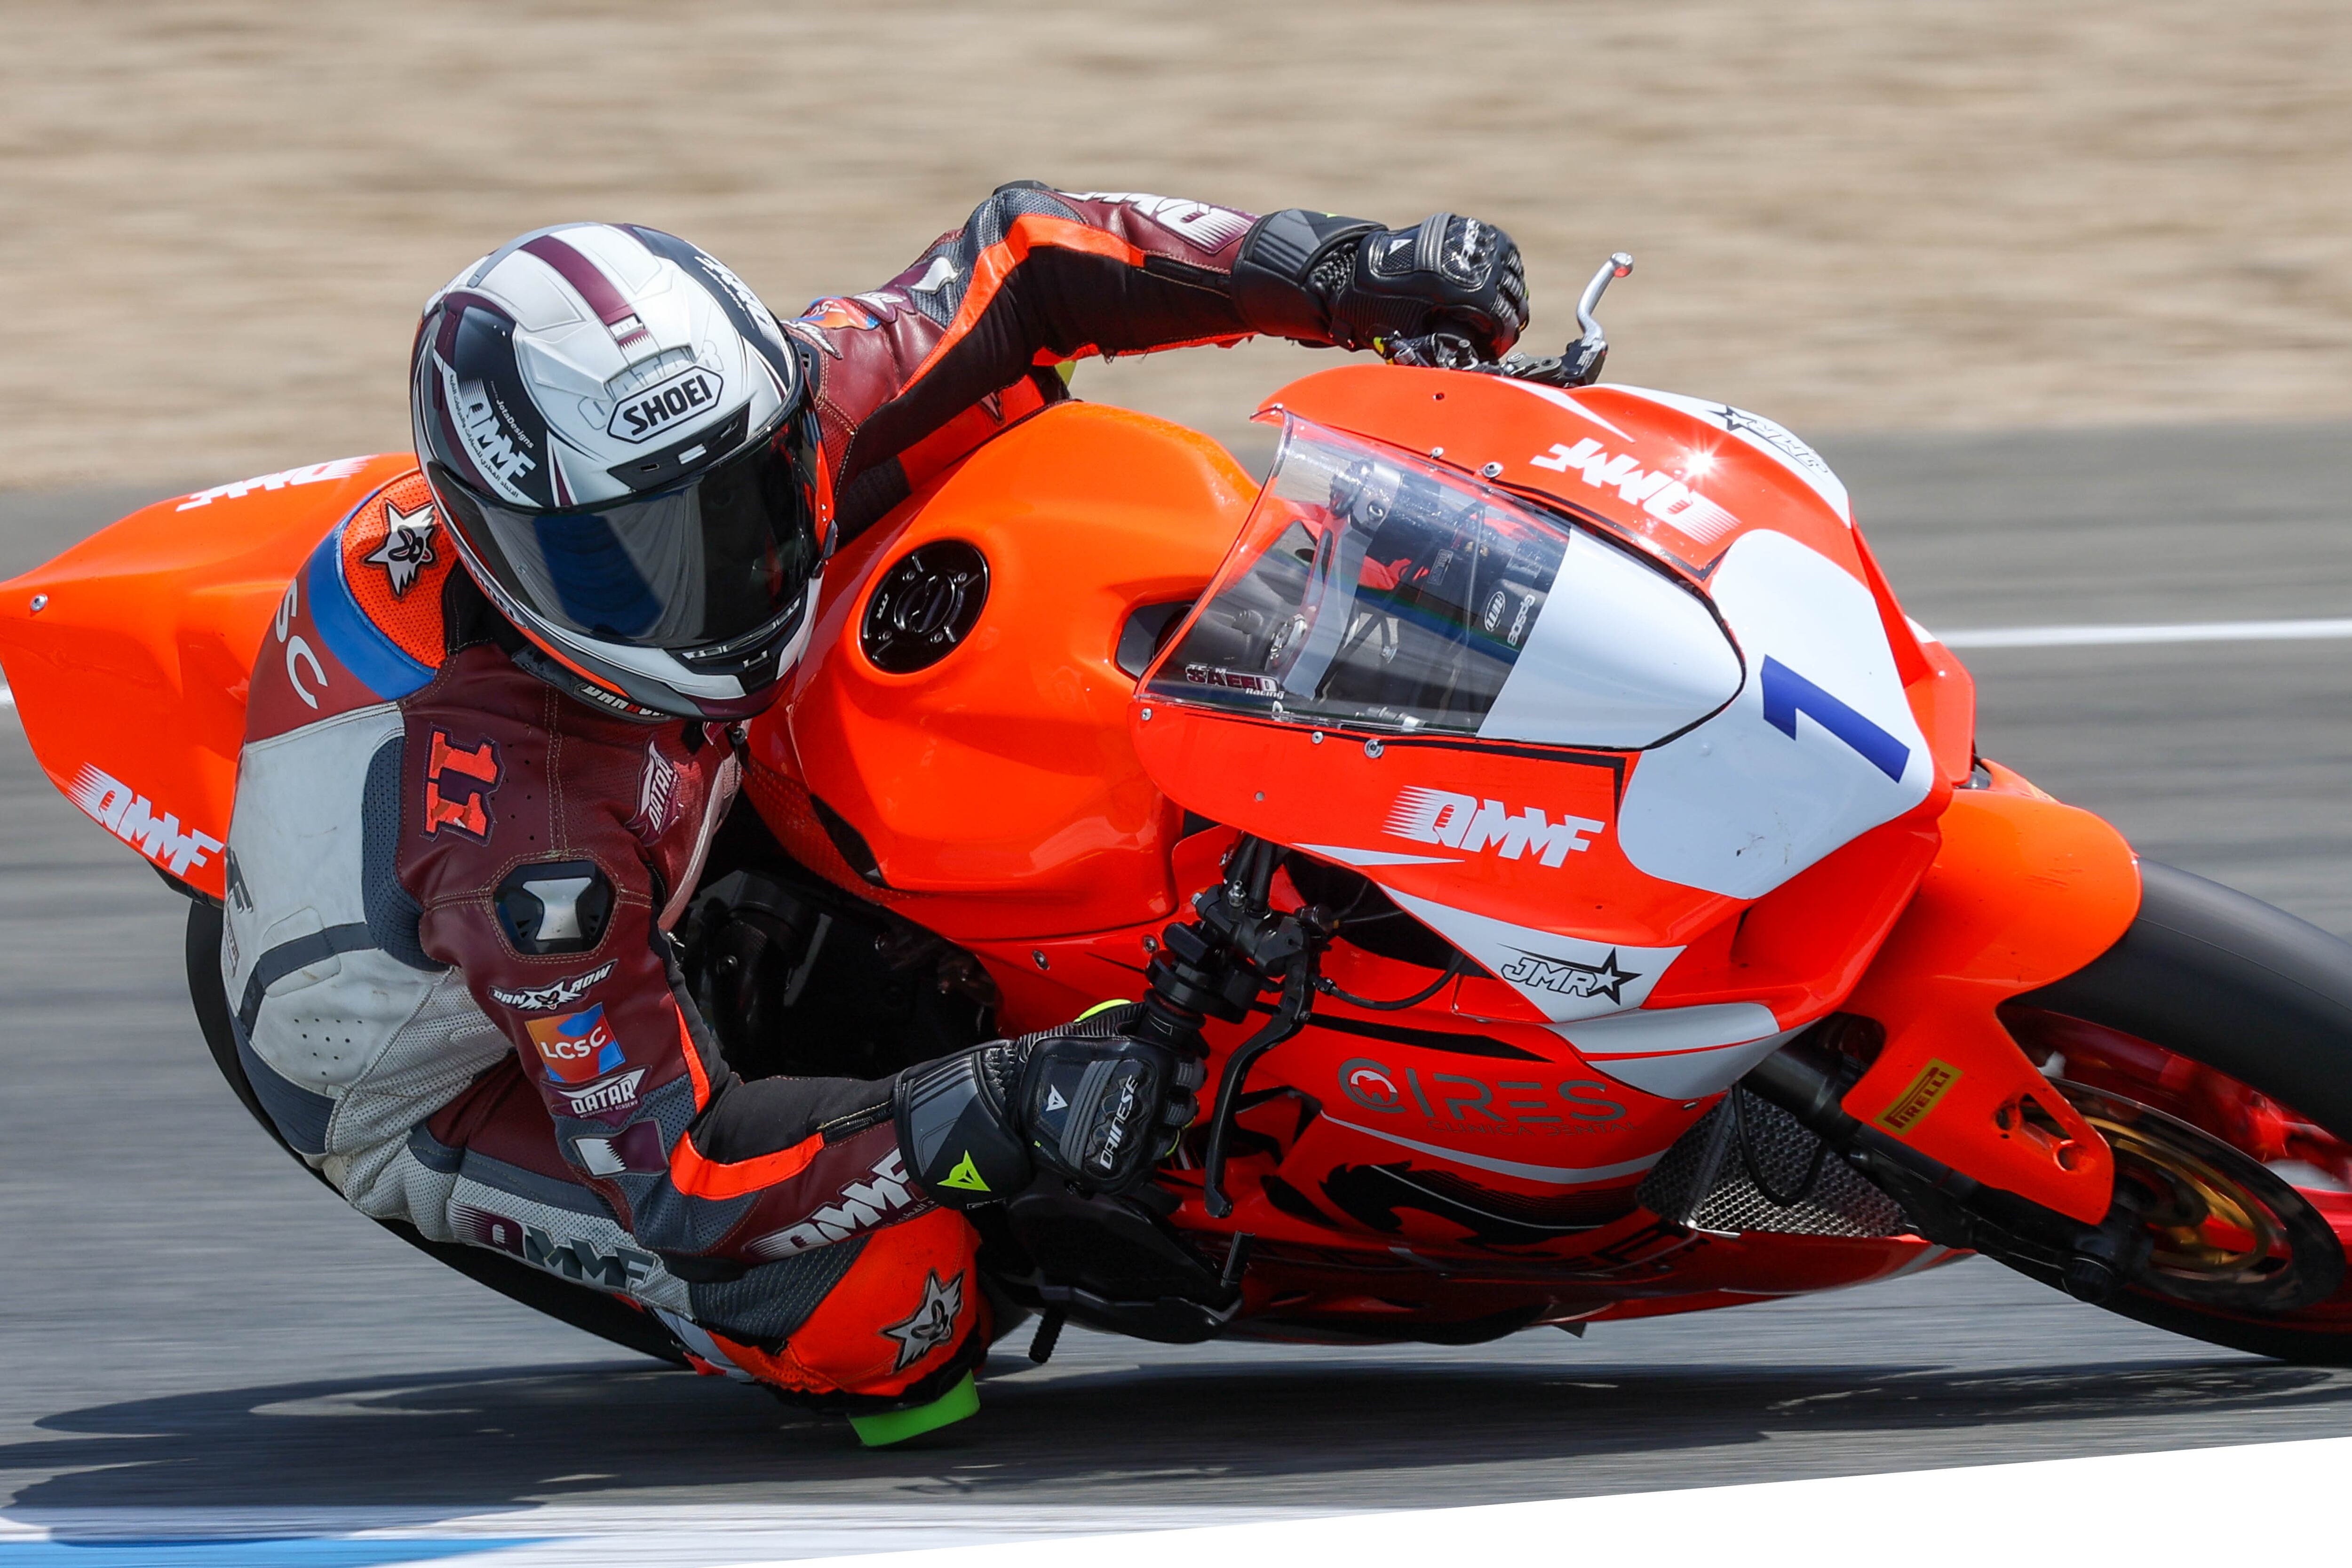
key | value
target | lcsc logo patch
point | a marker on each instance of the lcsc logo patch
(577, 1047)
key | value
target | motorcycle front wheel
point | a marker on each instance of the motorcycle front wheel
(2212, 1048)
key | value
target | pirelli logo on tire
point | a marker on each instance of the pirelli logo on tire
(1920, 1098)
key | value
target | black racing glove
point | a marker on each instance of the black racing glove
(1319, 278)
(1086, 1101)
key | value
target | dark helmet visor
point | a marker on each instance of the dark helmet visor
(722, 555)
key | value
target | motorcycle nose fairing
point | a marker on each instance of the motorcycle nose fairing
(1604, 687)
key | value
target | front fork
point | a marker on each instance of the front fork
(1214, 966)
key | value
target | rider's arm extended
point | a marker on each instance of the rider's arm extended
(967, 335)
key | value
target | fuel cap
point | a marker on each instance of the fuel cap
(925, 606)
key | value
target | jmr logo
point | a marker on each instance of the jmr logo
(1567, 976)
(647, 414)
(861, 1207)
(1466, 821)
(1655, 491)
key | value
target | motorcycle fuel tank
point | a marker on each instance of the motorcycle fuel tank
(955, 744)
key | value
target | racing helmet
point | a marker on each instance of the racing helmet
(619, 437)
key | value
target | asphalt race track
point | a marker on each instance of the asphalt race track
(186, 1319)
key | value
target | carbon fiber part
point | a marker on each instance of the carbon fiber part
(1704, 1181)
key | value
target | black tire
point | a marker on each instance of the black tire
(2226, 980)
(590, 1311)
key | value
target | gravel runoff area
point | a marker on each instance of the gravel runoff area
(1849, 214)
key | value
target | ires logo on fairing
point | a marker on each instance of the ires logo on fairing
(131, 818)
(1466, 821)
(1477, 1102)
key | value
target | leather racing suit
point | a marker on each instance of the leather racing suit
(450, 884)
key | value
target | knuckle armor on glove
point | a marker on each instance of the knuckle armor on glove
(1086, 1101)
(1452, 274)
(1358, 285)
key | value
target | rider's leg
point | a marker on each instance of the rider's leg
(887, 1324)
(895, 1340)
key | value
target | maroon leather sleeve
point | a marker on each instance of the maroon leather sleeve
(540, 842)
(916, 373)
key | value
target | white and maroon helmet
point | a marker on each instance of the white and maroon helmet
(617, 431)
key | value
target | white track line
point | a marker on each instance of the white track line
(2108, 636)
(1965, 1518)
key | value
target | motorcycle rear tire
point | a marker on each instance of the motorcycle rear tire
(2208, 974)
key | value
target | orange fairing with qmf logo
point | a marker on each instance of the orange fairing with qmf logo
(1684, 839)
(129, 654)
(1637, 791)
(1582, 721)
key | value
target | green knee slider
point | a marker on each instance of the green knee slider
(888, 1426)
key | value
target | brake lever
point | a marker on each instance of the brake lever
(1290, 1015)
(1579, 364)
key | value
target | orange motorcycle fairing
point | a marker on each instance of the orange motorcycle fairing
(2023, 891)
(130, 653)
(1593, 464)
(965, 745)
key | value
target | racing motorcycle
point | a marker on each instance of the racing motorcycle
(1533, 801)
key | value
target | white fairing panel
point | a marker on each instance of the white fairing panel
(1592, 993)
(1565, 977)
(1819, 746)
(1620, 656)
(1679, 1053)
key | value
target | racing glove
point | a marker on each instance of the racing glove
(1321, 277)
(1086, 1102)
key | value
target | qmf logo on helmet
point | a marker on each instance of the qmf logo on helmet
(644, 415)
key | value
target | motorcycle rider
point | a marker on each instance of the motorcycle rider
(488, 742)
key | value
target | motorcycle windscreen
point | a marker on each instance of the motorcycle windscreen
(1374, 590)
